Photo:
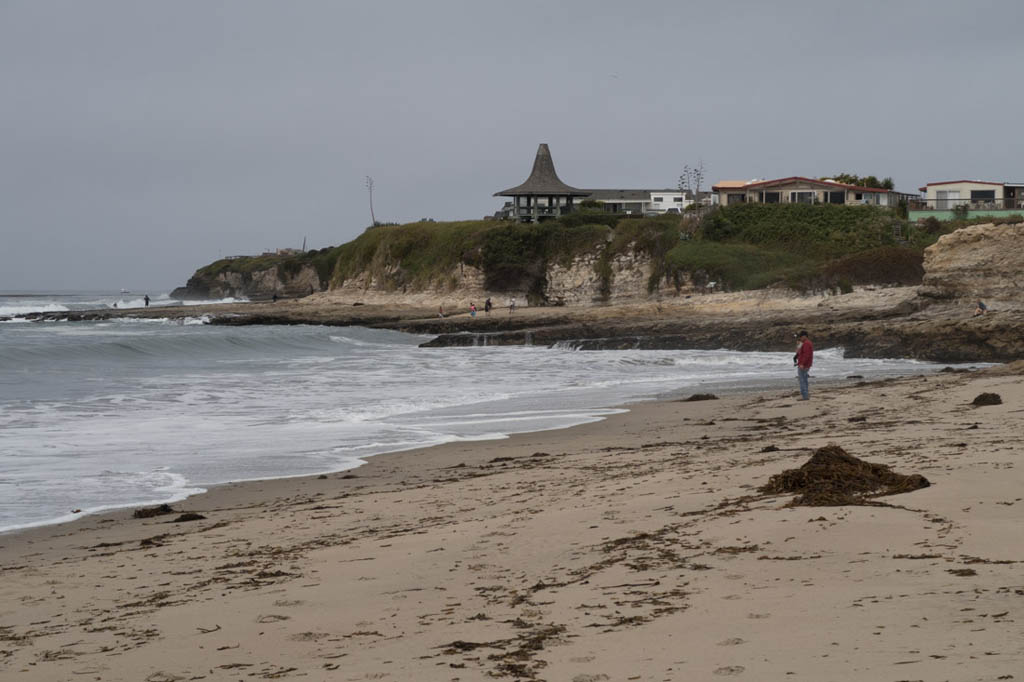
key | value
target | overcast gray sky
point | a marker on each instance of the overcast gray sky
(140, 140)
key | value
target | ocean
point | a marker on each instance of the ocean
(100, 415)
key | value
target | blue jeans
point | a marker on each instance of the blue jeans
(801, 377)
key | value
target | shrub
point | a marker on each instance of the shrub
(931, 225)
(1012, 219)
(885, 265)
(736, 266)
(960, 212)
(817, 230)
(590, 216)
(513, 257)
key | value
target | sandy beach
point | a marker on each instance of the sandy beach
(636, 548)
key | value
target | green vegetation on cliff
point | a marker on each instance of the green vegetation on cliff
(804, 246)
(740, 247)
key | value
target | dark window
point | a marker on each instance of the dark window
(658, 199)
(859, 196)
(736, 198)
(678, 200)
(982, 194)
(837, 197)
(772, 197)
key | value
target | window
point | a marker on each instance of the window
(946, 199)
(772, 197)
(657, 200)
(836, 197)
(983, 195)
(736, 199)
(678, 200)
(801, 197)
(859, 196)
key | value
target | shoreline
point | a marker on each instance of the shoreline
(634, 547)
(870, 323)
(763, 388)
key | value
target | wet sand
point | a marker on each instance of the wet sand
(636, 548)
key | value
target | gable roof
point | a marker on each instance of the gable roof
(731, 184)
(543, 179)
(821, 183)
(746, 184)
(957, 182)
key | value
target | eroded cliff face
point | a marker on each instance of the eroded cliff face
(581, 282)
(977, 262)
(256, 284)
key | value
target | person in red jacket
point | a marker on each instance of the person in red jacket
(804, 359)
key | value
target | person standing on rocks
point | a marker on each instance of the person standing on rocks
(487, 306)
(511, 305)
(804, 360)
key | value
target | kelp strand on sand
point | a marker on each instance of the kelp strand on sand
(832, 477)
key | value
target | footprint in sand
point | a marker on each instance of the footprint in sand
(732, 641)
(730, 670)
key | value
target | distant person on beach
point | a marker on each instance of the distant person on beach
(511, 305)
(488, 305)
(472, 309)
(980, 309)
(146, 299)
(804, 359)
(440, 311)
(273, 298)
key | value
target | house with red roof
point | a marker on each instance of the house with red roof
(800, 190)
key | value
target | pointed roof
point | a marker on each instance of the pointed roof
(543, 179)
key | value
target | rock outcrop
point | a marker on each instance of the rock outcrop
(977, 262)
(580, 282)
(255, 284)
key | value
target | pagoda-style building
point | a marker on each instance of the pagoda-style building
(543, 196)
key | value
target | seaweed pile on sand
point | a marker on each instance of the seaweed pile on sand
(832, 477)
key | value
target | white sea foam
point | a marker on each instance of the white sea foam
(161, 410)
(28, 308)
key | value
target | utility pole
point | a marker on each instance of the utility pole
(369, 188)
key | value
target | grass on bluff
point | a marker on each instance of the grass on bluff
(747, 246)
(802, 246)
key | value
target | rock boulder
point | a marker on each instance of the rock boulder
(977, 262)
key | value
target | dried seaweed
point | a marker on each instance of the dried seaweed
(149, 512)
(833, 478)
(987, 399)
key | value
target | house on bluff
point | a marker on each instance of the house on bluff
(544, 196)
(800, 190)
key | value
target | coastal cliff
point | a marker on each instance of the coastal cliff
(657, 283)
(978, 262)
(590, 257)
(257, 277)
